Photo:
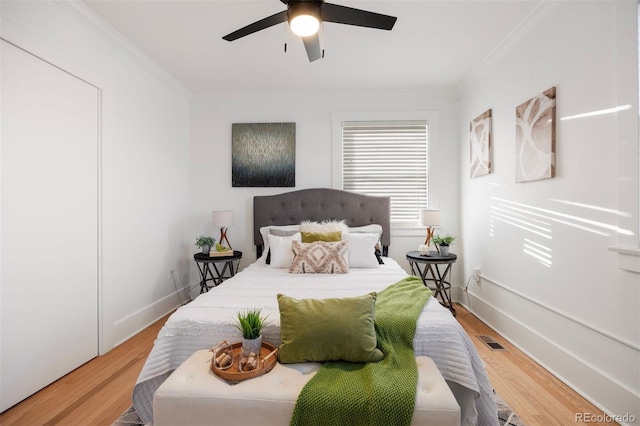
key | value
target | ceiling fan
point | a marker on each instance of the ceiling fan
(304, 17)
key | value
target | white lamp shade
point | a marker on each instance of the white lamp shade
(430, 217)
(222, 218)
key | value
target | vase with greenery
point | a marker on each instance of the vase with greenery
(205, 243)
(250, 324)
(442, 243)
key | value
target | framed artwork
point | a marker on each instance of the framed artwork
(480, 130)
(536, 137)
(263, 154)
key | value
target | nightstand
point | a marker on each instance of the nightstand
(428, 268)
(216, 268)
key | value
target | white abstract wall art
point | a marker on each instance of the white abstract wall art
(536, 137)
(480, 150)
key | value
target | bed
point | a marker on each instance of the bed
(210, 317)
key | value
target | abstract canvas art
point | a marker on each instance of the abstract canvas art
(263, 154)
(480, 150)
(536, 137)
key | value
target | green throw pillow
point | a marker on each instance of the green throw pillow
(310, 237)
(328, 329)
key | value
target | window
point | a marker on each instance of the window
(388, 158)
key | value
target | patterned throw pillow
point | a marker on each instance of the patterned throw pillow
(320, 257)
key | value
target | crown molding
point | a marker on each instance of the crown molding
(91, 20)
(528, 23)
(444, 92)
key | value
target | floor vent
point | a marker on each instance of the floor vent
(491, 342)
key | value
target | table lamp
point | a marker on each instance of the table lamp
(223, 219)
(431, 219)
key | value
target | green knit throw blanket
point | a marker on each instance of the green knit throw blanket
(376, 393)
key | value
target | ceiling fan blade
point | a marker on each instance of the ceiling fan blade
(312, 45)
(350, 16)
(257, 26)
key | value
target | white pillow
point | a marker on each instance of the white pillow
(324, 226)
(281, 253)
(374, 228)
(362, 249)
(266, 230)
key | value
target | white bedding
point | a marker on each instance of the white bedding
(210, 319)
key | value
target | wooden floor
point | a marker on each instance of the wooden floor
(99, 391)
(531, 391)
(93, 394)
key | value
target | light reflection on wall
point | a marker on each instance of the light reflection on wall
(592, 207)
(507, 216)
(598, 112)
(506, 213)
(538, 222)
(589, 225)
(541, 253)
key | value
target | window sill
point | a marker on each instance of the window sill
(407, 231)
(628, 258)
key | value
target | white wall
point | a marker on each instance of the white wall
(159, 183)
(144, 159)
(576, 311)
(213, 114)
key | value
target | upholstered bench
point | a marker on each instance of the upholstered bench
(193, 395)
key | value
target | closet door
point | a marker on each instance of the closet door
(49, 224)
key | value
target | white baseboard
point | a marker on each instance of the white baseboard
(596, 386)
(134, 323)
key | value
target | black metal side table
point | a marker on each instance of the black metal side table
(428, 269)
(208, 267)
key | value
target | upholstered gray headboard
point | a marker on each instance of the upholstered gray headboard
(320, 204)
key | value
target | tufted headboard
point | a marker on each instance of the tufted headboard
(320, 204)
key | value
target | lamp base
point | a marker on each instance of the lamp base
(223, 237)
(427, 242)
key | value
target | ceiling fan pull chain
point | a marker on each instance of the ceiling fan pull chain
(322, 38)
(286, 25)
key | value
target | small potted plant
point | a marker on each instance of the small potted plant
(442, 243)
(205, 243)
(250, 324)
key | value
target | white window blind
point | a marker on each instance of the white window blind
(388, 158)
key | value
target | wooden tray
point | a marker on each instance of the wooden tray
(233, 373)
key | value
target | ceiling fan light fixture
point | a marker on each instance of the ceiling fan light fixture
(304, 18)
(304, 25)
